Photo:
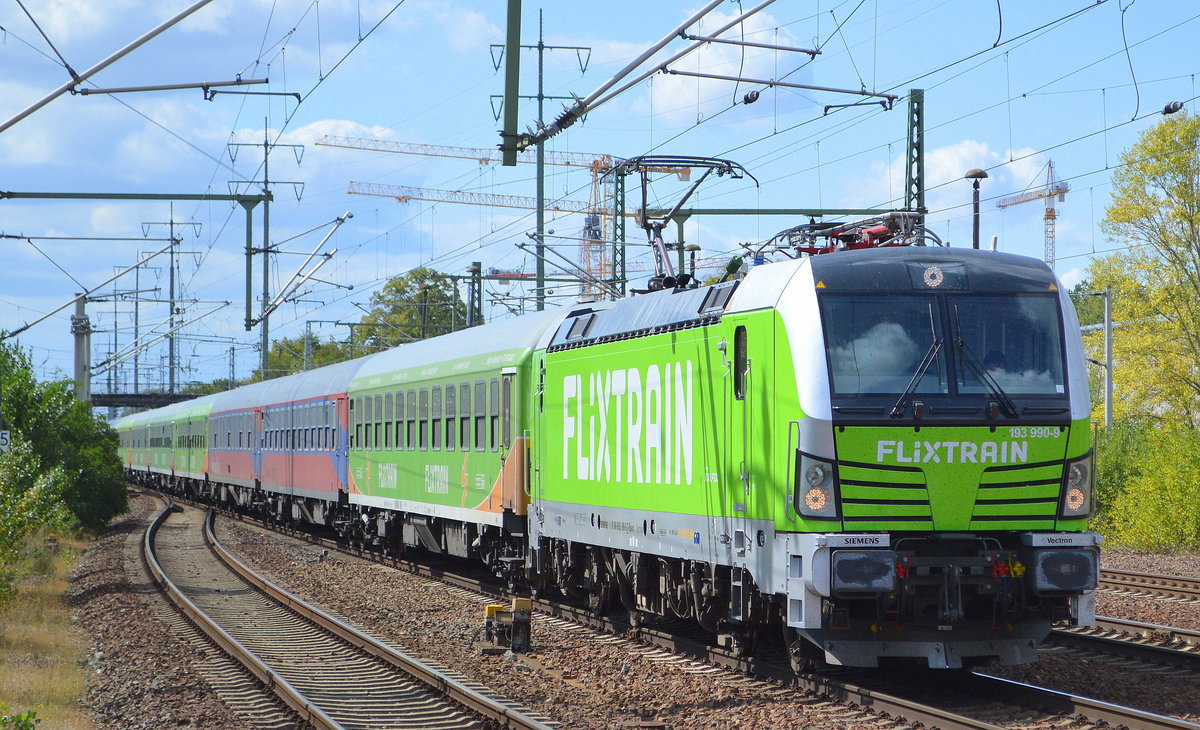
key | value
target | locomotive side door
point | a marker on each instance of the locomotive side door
(729, 501)
(745, 486)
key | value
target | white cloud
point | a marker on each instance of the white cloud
(313, 131)
(464, 29)
(70, 20)
(1072, 277)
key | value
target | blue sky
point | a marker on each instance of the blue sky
(1009, 85)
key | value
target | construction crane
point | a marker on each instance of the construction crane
(593, 254)
(405, 193)
(480, 155)
(1052, 189)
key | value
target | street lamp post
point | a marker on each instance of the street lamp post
(975, 176)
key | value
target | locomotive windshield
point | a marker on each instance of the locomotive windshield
(942, 348)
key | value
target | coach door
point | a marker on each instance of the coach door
(513, 445)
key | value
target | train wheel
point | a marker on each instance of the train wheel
(803, 655)
(743, 643)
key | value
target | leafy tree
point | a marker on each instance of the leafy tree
(1156, 282)
(287, 355)
(220, 385)
(30, 498)
(1156, 509)
(63, 433)
(1088, 307)
(413, 306)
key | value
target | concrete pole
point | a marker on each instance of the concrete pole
(266, 279)
(81, 328)
(541, 179)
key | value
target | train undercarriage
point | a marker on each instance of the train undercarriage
(968, 596)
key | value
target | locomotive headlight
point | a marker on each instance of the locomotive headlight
(864, 570)
(1076, 501)
(816, 499)
(1066, 570)
(816, 495)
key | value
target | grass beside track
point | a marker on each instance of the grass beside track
(42, 653)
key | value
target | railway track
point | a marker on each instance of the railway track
(1128, 582)
(1134, 640)
(969, 702)
(330, 674)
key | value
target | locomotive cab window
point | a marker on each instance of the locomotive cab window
(1021, 351)
(944, 355)
(740, 363)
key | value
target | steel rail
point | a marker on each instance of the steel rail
(837, 688)
(447, 686)
(1149, 644)
(1074, 705)
(1167, 633)
(1173, 585)
(282, 689)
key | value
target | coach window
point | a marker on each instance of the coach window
(480, 415)
(435, 416)
(494, 402)
(740, 363)
(424, 422)
(368, 423)
(387, 422)
(321, 422)
(451, 425)
(464, 417)
(377, 439)
(411, 407)
(399, 426)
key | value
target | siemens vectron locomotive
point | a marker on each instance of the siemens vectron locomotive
(878, 453)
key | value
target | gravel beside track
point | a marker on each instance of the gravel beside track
(573, 676)
(1180, 614)
(145, 675)
(1166, 692)
(142, 674)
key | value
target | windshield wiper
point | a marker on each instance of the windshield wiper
(1005, 403)
(930, 356)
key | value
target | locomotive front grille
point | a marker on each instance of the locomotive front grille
(891, 498)
(1027, 494)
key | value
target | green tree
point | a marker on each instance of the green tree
(30, 498)
(63, 433)
(1088, 307)
(288, 355)
(412, 306)
(1156, 281)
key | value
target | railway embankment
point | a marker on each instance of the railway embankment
(143, 671)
